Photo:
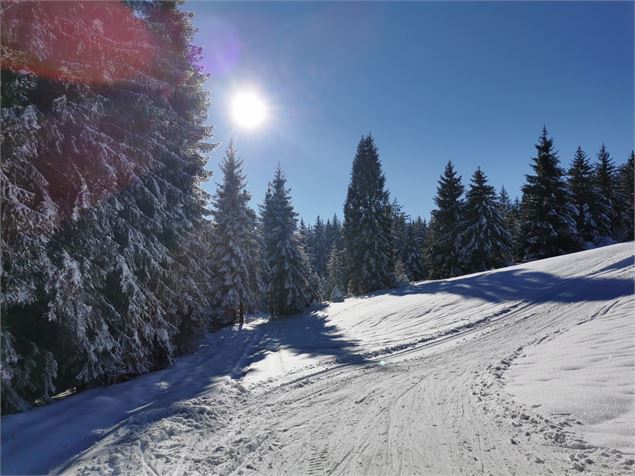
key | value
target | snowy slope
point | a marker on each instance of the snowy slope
(523, 370)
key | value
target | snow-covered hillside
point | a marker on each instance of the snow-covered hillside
(523, 370)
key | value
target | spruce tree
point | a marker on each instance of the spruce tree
(606, 182)
(367, 228)
(548, 217)
(335, 287)
(104, 269)
(443, 249)
(234, 243)
(627, 192)
(485, 238)
(510, 211)
(288, 273)
(584, 197)
(414, 260)
(399, 230)
(318, 247)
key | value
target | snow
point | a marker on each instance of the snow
(463, 387)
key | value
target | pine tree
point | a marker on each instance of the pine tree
(335, 288)
(234, 243)
(585, 198)
(333, 233)
(399, 230)
(367, 228)
(443, 249)
(510, 211)
(318, 247)
(104, 273)
(485, 239)
(606, 183)
(627, 192)
(288, 273)
(548, 217)
(414, 260)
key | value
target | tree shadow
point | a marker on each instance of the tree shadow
(531, 286)
(79, 420)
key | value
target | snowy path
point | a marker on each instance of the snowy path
(497, 373)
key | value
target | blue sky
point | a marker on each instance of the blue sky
(436, 81)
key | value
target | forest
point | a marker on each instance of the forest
(115, 260)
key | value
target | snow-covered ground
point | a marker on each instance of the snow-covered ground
(525, 370)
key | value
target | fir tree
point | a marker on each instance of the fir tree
(584, 197)
(510, 211)
(288, 273)
(104, 270)
(485, 240)
(443, 249)
(367, 228)
(399, 230)
(414, 260)
(627, 192)
(548, 217)
(605, 181)
(333, 233)
(336, 275)
(318, 247)
(234, 243)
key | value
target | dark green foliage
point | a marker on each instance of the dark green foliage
(584, 196)
(104, 270)
(290, 283)
(605, 180)
(626, 191)
(485, 238)
(368, 223)
(234, 244)
(443, 250)
(548, 218)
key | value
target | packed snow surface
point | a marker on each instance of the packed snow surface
(523, 370)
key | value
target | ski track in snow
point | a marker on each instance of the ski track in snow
(499, 372)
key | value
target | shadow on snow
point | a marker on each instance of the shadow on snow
(80, 420)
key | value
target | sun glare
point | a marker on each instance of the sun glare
(248, 110)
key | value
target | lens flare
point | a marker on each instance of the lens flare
(248, 109)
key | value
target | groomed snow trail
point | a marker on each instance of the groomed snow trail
(457, 394)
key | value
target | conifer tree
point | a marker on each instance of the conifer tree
(318, 247)
(335, 288)
(367, 228)
(399, 230)
(548, 217)
(627, 192)
(606, 183)
(485, 238)
(333, 233)
(443, 249)
(510, 211)
(234, 243)
(104, 270)
(584, 197)
(414, 260)
(288, 273)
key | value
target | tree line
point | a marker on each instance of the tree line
(113, 257)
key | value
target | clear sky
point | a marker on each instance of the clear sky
(468, 82)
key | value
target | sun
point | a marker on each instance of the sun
(248, 109)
